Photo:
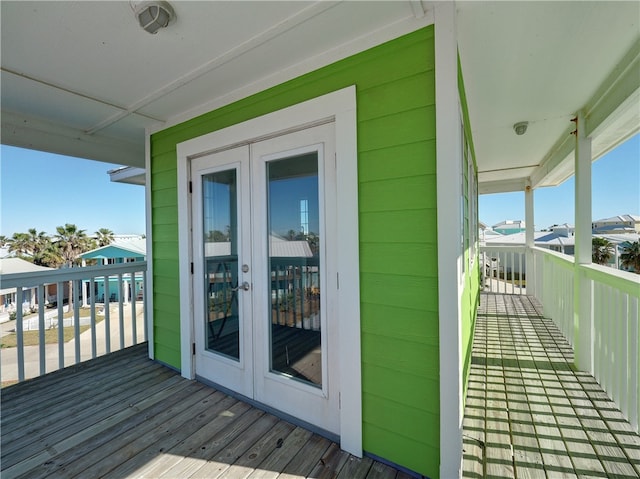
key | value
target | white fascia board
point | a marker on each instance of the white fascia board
(449, 194)
(615, 97)
(619, 86)
(148, 298)
(506, 186)
(128, 174)
(559, 157)
(37, 134)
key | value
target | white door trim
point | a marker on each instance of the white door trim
(339, 106)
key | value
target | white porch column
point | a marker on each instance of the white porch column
(582, 304)
(529, 240)
(450, 256)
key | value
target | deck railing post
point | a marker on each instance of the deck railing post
(583, 294)
(529, 240)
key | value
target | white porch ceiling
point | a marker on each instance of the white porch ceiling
(83, 79)
(542, 62)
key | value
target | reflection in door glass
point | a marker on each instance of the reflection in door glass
(294, 262)
(220, 226)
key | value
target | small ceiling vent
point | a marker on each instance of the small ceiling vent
(154, 15)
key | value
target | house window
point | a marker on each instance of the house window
(473, 205)
(464, 204)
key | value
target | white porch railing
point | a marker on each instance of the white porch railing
(504, 269)
(116, 319)
(553, 278)
(616, 361)
(612, 330)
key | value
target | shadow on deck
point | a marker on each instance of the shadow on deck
(528, 412)
(123, 415)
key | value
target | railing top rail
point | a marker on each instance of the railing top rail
(556, 256)
(14, 280)
(621, 280)
(518, 248)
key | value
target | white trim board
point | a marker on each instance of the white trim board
(339, 106)
(449, 194)
(148, 294)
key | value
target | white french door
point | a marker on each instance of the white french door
(264, 247)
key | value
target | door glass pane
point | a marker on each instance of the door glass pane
(220, 231)
(294, 261)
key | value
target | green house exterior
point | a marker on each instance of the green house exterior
(398, 237)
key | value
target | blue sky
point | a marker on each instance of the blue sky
(41, 190)
(615, 183)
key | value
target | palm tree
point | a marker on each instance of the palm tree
(631, 256)
(601, 250)
(20, 243)
(42, 250)
(71, 243)
(104, 236)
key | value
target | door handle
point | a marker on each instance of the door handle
(245, 286)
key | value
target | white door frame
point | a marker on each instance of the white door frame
(339, 106)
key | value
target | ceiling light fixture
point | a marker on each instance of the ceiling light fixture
(521, 127)
(154, 15)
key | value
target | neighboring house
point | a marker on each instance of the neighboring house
(119, 251)
(509, 227)
(30, 296)
(122, 250)
(561, 239)
(617, 224)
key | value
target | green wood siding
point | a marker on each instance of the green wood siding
(398, 238)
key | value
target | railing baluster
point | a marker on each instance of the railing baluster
(42, 344)
(76, 317)
(60, 304)
(92, 306)
(121, 309)
(623, 354)
(520, 271)
(41, 317)
(134, 327)
(19, 332)
(107, 315)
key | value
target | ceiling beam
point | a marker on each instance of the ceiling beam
(37, 134)
(501, 186)
(555, 158)
(619, 86)
(611, 99)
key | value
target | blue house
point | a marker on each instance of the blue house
(120, 251)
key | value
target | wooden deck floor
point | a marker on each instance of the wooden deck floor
(528, 413)
(123, 416)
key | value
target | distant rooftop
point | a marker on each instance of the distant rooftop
(619, 219)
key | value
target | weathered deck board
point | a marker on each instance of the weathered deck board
(558, 422)
(123, 416)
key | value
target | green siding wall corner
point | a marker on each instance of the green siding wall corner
(395, 86)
